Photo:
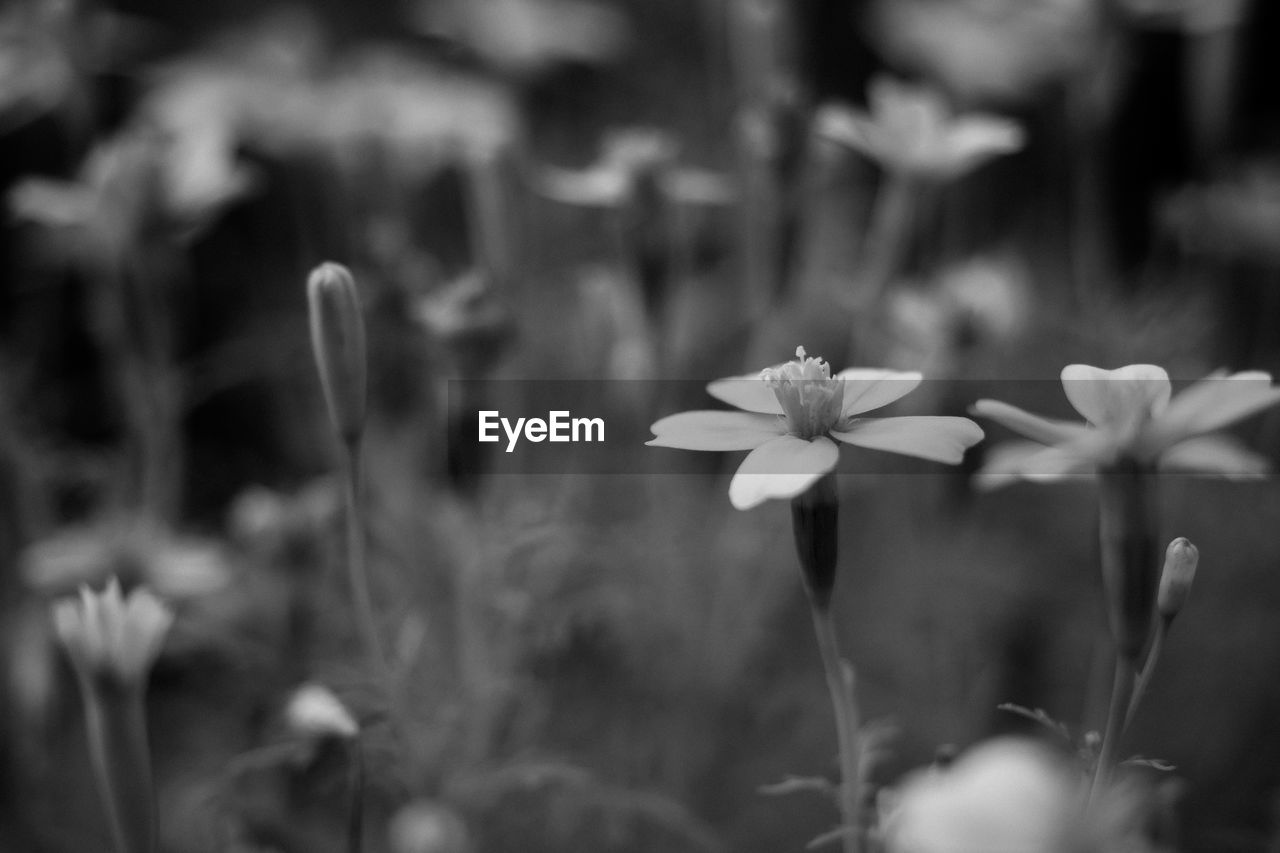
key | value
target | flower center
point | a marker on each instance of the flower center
(811, 400)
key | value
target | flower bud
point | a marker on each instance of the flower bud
(338, 339)
(1180, 561)
(426, 826)
(111, 637)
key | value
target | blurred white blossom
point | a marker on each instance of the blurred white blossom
(112, 636)
(1007, 795)
(911, 130)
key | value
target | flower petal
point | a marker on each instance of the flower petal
(714, 430)
(1027, 460)
(1116, 398)
(940, 438)
(1219, 455)
(1038, 428)
(867, 388)
(782, 468)
(973, 139)
(1213, 403)
(746, 392)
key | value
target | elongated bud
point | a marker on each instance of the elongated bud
(1180, 561)
(814, 520)
(338, 339)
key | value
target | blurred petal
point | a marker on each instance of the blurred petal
(1026, 460)
(590, 188)
(713, 430)
(697, 186)
(1035, 427)
(782, 468)
(870, 388)
(940, 438)
(1117, 397)
(1219, 455)
(975, 139)
(746, 392)
(1213, 403)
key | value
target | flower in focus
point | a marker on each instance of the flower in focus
(112, 636)
(910, 129)
(1008, 795)
(792, 412)
(1132, 417)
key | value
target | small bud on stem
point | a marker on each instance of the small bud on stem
(1180, 561)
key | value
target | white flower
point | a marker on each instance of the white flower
(1008, 795)
(910, 129)
(792, 413)
(1132, 416)
(112, 636)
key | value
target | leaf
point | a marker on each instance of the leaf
(828, 838)
(1039, 715)
(798, 784)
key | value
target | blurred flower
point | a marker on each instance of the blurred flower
(112, 637)
(792, 413)
(139, 184)
(984, 49)
(469, 318)
(424, 826)
(314, 710)
(1007, 795)
(631, 161)
(1132, 418)
(982, 301)
(525, 37)
(112, 641)
(1237, 217)
(176, 567)
(910, 129)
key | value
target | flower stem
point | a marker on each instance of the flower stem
(1121, 691)
(886, 242)
(1148, 668)
(355, 818)
(115, 717)
(357, 572)
(840, 684)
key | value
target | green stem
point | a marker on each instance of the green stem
(115, 717)
(1148, 668)
(1121, 691)
(840, 684)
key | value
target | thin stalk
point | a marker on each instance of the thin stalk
(840, 684)
(886, 242)
(115, 717)
(355, 784)
(1148, 668)
(1121, 691)
(357, 572)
